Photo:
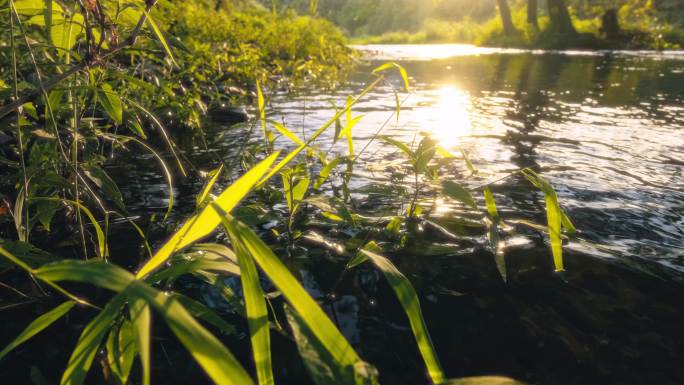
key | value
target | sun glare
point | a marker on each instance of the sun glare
(450, 119)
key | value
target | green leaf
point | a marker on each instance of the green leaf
(106, 184)
(207, 220)
(89, 343)
(401, 146)
(493, 234)
(111, 102)
(287, 133)
(160, 36)
(554, 215)
(318, 361)
(325, 172)
(121, 351)
(402, 72)
(202, 197)
(38, 325)
(201, 311)
(141, 319)
(257, 311)
(409, 300)
(491, 380)
(457, 192)
(220, 365)
(329, 336)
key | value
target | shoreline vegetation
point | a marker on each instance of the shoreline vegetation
(553, 24)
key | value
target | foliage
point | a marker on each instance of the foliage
(93, 78)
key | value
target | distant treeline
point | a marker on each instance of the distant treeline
(641, 23)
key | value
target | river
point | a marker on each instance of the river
(605, 128)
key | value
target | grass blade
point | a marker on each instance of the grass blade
(141, 318)
(493, 234)
(409, 300)
(207, 220)
(257, 313)
(38, 325)
(219, 364)
(153, 26)
(89, 343)
(344, 355)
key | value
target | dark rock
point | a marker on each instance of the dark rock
(230, 115)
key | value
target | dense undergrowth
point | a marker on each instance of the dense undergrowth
(83, 82)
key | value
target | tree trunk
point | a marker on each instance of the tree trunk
(532, 13)
(505, 11)
(560, 17)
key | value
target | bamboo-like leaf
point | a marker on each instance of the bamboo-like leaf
(207, 220)
(220, 365)
(457, 192)
(329, 336)
(90, 340)
(488, 380)
(325, 172)
(201, 311)
(257, 311)
(493, 233)
(402, 72)
(157, 32)
(409, 300)
(38, 325)
(554, 216)
(287, 133)
(121, 350)
(142, 319)
(111, 102)
(261, 104)
(400, 145)
(319, 363)
(202, 197)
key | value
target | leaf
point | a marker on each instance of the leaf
(401, 146)
(207, 220)
(106, 184)
(261, 104)
(409, 300)
(201, 311)
(27, 253)
(401, 70)
(142, 320)
(287, 133)
(219, 364)
(457, 192)
(89, 343)
(121, 350)
(329, 336)
(157, 32)
(318, 362)
(325, 172)
(38, 325)
(491, 380)
(257, 312)
(554, 215)
(202, 197)
(493, 234)
(111, 103)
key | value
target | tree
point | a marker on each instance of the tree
(560, 17)
(532, 14)
(505, 12)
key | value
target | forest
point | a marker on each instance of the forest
(341, 192)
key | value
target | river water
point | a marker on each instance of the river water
(607, 130)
